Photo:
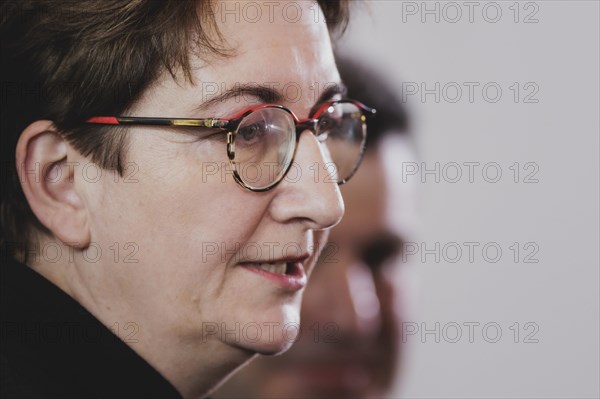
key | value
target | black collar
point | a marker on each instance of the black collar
(53, 347)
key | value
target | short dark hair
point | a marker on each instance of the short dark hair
(368, 86)
(68, 60)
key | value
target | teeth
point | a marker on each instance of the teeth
(277, 268)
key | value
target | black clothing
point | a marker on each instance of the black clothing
(52, 347)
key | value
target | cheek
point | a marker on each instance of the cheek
(168, 195)
(180, 224)
(179, 234)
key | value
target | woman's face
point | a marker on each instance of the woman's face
(186, 222)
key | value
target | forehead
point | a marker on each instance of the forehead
(376, 199)
(365, 200)
(289, 51)
(272, 25)
(285, 47)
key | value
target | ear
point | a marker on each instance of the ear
(45, 165)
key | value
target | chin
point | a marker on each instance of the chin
(272, 348)
(272, 332)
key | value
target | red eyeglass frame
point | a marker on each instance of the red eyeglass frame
(230, 125)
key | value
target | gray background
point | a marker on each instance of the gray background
(558, 54)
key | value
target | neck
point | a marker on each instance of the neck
(194, 365)
(195, 370)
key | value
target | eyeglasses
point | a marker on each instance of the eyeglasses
(262, 140)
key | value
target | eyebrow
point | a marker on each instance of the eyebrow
(269, 95)
(263, 93)
(331, 91)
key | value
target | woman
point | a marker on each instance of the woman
(168, 227)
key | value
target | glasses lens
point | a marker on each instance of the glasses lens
(264, 147)
(342, 128)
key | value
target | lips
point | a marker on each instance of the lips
(287, 273)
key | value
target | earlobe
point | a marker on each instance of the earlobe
(47, 176)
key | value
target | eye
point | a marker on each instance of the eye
(326, 127)
(379, 251)
(326, 123)
(252, 132)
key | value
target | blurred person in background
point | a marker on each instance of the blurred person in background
(348, 346)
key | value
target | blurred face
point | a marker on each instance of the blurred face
(217, 266)
(348, 345)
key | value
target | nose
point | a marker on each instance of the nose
(309, 193)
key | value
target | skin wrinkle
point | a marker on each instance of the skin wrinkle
(170, 213)
(360, 364)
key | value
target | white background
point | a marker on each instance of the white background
(560, 213)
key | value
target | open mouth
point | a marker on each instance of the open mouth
(276, 268)
(288, 275)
